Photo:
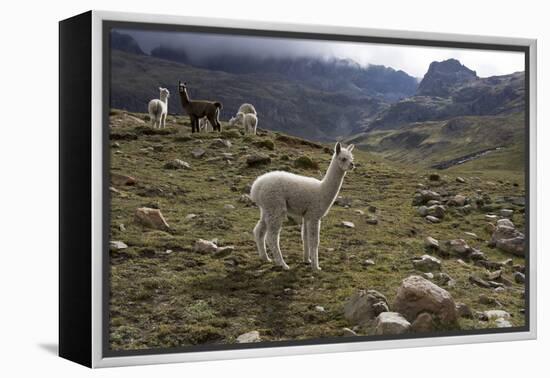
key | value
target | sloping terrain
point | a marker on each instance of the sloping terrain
(165, 293)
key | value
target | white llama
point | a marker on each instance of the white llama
(247, 120)
(247, 109)
(279, 194)
(158, 109)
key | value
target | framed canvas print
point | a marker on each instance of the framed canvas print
(235, 189)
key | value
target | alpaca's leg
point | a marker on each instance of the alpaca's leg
(314, 228)
(163, 120)
(259, 235)
(305, 241)
(274, 225)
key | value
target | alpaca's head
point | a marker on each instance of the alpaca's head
(343, 157)
(164, 93)
(237, 119)
(182, 87)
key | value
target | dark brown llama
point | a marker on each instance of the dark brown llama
(197, 109)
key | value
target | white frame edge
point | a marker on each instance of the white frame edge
(97, 201)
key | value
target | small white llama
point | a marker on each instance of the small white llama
(248, 121)
(158, 109)
(279, 194)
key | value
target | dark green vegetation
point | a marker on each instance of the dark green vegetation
(164, 294)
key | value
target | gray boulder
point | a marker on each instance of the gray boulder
(365, 305)
(391, 323)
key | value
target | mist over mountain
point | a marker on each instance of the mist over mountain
(124, 42)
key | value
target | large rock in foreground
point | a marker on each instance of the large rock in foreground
(364, 306)
(417, 295)
(391, 323)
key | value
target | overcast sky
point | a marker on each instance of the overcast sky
(411, 59)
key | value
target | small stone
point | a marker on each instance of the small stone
(220, 143)
(503, 323)
(458, 247)
(431, 243)
(458, 200)
(117, 245)
(249, 337)
(360, 212)
(319, 308)
(463, 263)
(120, 179)
(364, 306)
(426, 263)
(428, 275)
(177, 164)
(519, 277)
(422, 211)
(506, 213)
(348, 332)
(486, 300)
(391, 323)
(478, 281)
(222, 252)
(198, 152)
(432, 219)
(505, 222)
(205, 246)
(437, 211)
(496, 314)
(348, 224)
(122, 227)
(229, 207)
(190, 216)
(372, 220)
(470, 234)
(460, 180)
(257, 160)
(491, 217)
(368, 262)
(152, 218)
(491, 276)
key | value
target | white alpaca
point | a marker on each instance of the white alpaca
(247, 120)
(247, 109)
(205, 125)
(279, 194)
(158, 109)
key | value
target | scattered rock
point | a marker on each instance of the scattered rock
(458, 200)
(245, 198)
(491, 276)
(257, 160)
(364, 306)
(198, 152)
(496, 314)
(519, 277)
(205, 246)
(372, 220)
(505, 222)
(177, 164)
(506, 213)
(391, 323)
(117, 245)
(190, 216)
(458, 247)
(249, 337)
(222, 252)
(348, 224)
(432, 219)
(503, 323)
(422, 210)
(122, 227)
(437, 211)
(228, 206)
(368, 262)
(417, 295)
(348, 332)
(464, 311)
(120, 179)
(220, 143)
(152, 218)
(460, 180)
(319, 308)
(478, 281)
(423, 196)
(426, 263)
(343, 201)
(358, 211)
(431, 243)
(423, 323)
(515, 245)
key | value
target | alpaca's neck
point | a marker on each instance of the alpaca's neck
(164, 99)
(184, 98)
(331, 183)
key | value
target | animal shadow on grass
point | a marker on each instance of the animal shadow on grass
(260, 293)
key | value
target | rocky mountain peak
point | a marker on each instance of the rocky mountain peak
(442, 76)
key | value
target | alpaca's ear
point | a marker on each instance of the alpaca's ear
(338, 148)
(351, 147)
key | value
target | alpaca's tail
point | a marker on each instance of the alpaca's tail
(155, 109)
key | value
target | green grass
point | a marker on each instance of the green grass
(161, 299)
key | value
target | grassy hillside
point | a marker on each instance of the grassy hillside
(431, 142)
(165, 294)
